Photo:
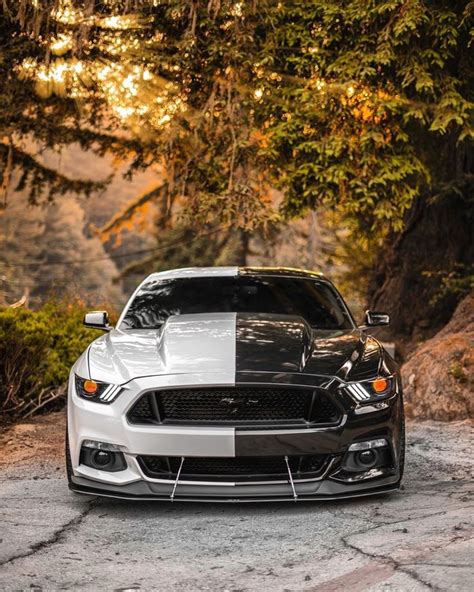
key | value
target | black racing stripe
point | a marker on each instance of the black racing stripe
(287, 344)
(266, 443)
(277, 441)
(271, 343)
(246, 378)
(334, 440)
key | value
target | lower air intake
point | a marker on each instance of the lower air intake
(242, 468)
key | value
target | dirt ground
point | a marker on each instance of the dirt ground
(418, 539)
(40, 438)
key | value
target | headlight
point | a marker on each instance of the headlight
(92, 390)
(368, 391)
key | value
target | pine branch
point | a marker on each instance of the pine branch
(118, 220)
(38, 177)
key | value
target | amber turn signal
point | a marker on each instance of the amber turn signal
(90, 386)
(380, 385)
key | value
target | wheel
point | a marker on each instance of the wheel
(401, 461)
(68, 460)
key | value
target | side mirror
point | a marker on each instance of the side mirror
(97, 319)
(375, 319)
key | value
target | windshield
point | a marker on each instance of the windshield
(315, 301)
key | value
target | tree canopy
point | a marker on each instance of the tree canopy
(39, 113)
(349, 104)
(357, 106)
(250, 113)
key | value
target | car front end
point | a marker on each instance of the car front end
(231, 406)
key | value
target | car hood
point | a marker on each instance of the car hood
(229, 343)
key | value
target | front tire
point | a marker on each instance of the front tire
(68, 460)
(401, 457)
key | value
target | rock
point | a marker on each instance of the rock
(438, 378)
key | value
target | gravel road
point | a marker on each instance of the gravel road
(420, 538)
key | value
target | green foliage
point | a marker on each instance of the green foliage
(182, 247)
(458, 282)
(369, 108)
(360, 105)
(32, 122)
(458, 372)
(37, 349)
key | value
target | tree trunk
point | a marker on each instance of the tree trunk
(438, 239)
(242, 250)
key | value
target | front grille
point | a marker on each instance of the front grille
(243, 468)
(248, 406)
(242, 405)
(142, 411)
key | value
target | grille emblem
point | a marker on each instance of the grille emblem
(235, 404)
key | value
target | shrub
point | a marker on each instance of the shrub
(37, 349)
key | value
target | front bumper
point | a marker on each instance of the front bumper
(108, 423)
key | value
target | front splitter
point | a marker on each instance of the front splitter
(332, 491)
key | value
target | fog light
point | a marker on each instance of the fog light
(102, 458)
(367, 458)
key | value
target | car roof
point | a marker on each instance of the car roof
(194, 272)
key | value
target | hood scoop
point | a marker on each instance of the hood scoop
(198, 343)
(285, 343)
(185, 344)
(272, 343)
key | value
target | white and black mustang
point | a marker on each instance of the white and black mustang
(235, 383)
